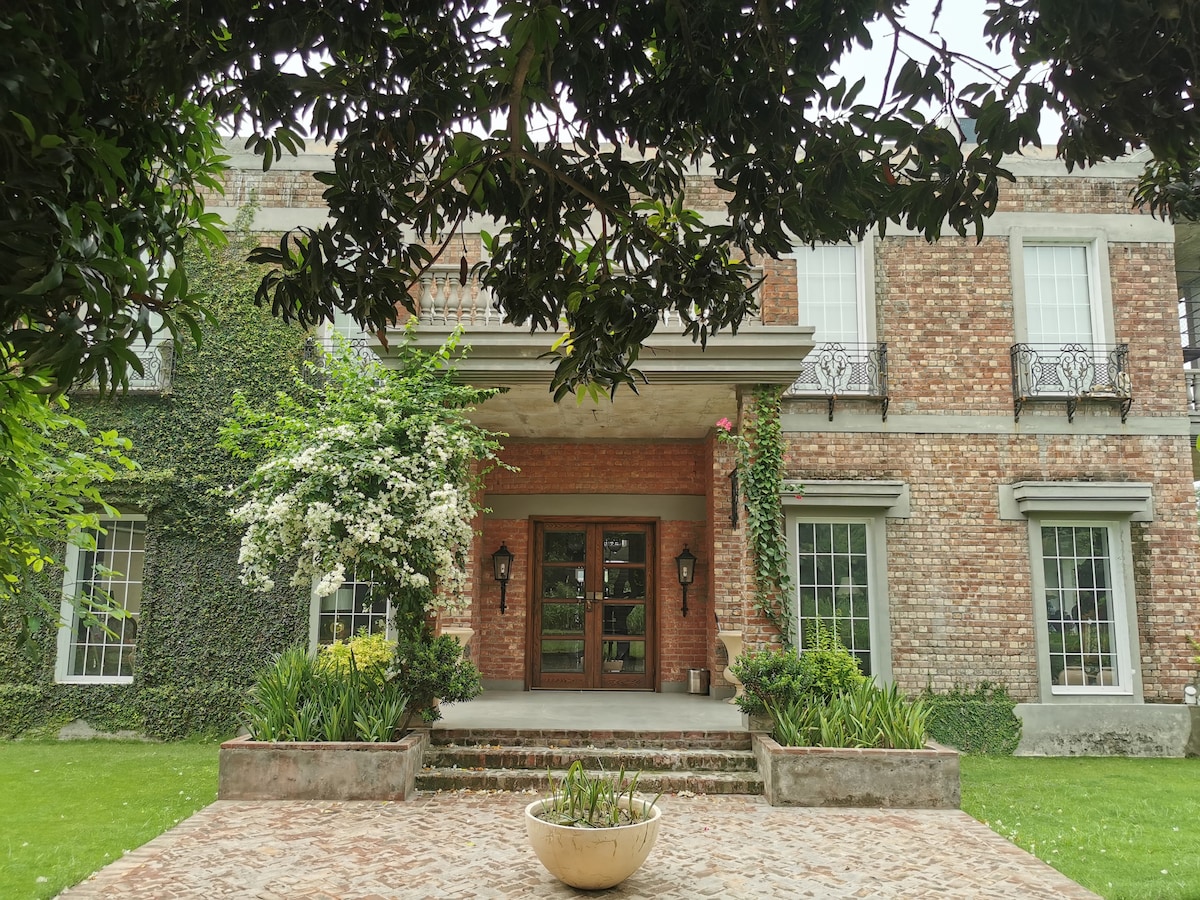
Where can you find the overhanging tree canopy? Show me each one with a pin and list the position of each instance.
(575, 123)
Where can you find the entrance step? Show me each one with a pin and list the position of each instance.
(521, 760)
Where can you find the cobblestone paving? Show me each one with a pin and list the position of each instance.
(472, 845)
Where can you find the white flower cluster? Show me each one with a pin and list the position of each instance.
(371, 491)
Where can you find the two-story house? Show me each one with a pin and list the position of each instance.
(993, 440)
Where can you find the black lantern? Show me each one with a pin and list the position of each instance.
(686, 562)
(502, 568)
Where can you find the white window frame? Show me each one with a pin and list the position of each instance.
(73, 579)
(1095, 244)
(1113, 504)
(855, 502)
(314, 615)
(864, 266)
(1123, 610)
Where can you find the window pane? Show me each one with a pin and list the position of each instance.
(353, 608)
(832, 585)
(111, 575)
(562, 618)
(625, 546)
(1080, 619)
(1057, 295)
(827, 292)
(562, 656)
(564, 546)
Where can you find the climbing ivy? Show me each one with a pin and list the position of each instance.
(760, 472)
(201, 634)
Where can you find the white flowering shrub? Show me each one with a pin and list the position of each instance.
(374, 470)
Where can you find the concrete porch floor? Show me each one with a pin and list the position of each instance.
(593, 710)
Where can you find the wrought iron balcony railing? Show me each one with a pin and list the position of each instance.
(158, 367)
(844, 370)
(1071, 372)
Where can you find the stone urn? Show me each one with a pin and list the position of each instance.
(733, 649)
(593, 858)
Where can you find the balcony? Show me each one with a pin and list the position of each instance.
(844, 370)
(1070, 373)
(504, 354)
(690, 387)
(158, 367)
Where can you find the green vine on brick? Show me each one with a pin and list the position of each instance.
(760, 472)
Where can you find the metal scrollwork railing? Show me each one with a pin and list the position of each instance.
(158, 367)
(1071, 372)
(844, 370)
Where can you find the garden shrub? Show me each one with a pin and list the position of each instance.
(428, 668)
(980, 721)
(781, 677)
(371, 654)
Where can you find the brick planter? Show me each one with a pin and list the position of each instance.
(260, 770)
(829, 776)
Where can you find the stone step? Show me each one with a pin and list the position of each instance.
(608, 759)
(649, 783)
(557, 738)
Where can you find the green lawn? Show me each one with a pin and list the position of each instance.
(69, 808)
(1125, 828)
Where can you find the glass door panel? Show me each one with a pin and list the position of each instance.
(593, 611)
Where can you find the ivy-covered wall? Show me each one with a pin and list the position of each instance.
(201, 633)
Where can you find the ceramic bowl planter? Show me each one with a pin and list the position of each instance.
(593, 858)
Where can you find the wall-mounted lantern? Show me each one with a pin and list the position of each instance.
(686, 561)
(502, 561)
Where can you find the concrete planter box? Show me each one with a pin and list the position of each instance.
(829, 776)
(260, 770)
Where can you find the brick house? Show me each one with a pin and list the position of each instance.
(994, 443)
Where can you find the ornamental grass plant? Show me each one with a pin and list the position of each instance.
(297, 698)
(864, 715)
(581, 799)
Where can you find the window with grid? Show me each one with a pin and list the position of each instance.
(102, 647)
(354, 607)
(833, 584)
(828, 293)
(1059, 308)
(1081, 618)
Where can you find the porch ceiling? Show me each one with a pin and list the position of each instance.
(669, 411)
(690, 387)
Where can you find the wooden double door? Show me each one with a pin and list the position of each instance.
(593, 610)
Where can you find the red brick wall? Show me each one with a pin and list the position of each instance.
(626, 467)
(959, 577)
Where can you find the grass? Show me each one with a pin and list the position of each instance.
(1124, 828)
(70, 808)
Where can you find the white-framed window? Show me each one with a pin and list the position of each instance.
(102, 648)
(837, 559)
(1061, 288)
(831, 293)
(1084, 616)
(355, 606)
(1081, 561)
(1061, 301)
(834, 585)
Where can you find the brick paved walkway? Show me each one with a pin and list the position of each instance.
(472, 845)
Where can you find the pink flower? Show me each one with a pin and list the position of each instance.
(725, 425)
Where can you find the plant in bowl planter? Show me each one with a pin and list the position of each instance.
(593, 831)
